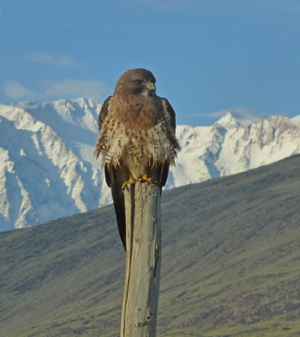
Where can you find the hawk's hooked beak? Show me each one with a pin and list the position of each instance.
(151, 86)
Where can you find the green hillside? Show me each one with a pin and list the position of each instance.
(230, 264)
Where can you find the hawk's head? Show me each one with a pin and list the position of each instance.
(136, 82)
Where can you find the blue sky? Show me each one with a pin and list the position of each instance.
(207, 55)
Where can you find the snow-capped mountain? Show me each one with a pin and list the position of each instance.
(47, 167)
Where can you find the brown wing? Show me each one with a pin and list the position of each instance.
(102, 115)
(171, 116)
(104, 111)
(170, 112)
(164, 174)
(116, 178)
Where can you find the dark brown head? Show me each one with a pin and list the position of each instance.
(136, 82)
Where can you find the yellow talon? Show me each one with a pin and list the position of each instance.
(130, 181)
(142, 179)
(145, 178)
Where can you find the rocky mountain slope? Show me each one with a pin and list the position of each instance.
(47, 168)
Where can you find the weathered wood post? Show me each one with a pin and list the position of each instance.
(143, 255)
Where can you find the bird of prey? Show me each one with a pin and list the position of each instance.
(136, 137)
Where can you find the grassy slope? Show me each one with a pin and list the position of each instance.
(231, 266)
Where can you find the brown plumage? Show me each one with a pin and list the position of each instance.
(136, 137)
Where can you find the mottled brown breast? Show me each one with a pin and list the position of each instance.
(137, 112)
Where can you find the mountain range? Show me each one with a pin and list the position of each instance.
(230, 264)
(48, 171)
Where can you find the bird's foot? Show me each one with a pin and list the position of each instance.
(130, 181)
(145, 178)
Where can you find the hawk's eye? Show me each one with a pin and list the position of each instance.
(139, 82)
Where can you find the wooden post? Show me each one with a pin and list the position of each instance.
(143, 255)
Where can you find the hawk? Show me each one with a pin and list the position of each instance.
(136, 137)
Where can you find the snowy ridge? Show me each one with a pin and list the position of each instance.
(47, 167)
(217, 151)
(47, 174)
(237, 118)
